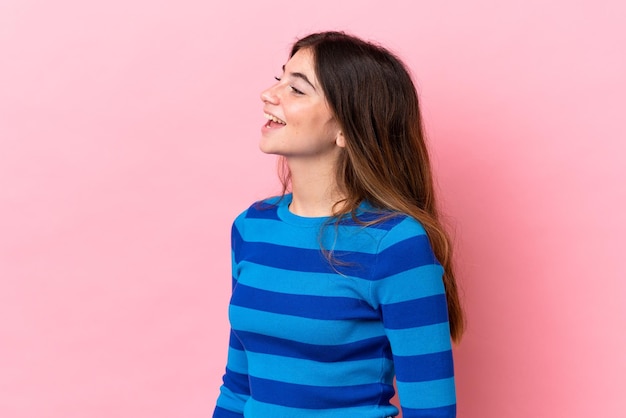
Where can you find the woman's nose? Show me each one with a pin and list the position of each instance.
(269, 96)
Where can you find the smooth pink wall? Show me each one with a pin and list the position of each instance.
(128, 143)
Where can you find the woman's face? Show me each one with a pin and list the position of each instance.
(300, 123)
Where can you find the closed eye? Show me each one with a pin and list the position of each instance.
(295, 90)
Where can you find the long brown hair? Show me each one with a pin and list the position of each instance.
(386, 161)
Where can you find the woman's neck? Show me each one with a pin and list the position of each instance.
(314, 190)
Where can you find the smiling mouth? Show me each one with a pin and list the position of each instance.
(273, 121)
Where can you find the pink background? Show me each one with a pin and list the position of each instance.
(128, 143)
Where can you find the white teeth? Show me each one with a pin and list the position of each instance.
(274, 119)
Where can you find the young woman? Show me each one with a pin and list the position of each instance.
(345, 281)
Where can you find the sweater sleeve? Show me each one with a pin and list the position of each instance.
(409, 293)
(235, 389)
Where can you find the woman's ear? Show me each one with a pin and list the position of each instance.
(340, 140)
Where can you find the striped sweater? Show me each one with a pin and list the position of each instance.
(311, 339)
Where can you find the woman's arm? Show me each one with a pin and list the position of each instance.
(409, 291)
(235, 389)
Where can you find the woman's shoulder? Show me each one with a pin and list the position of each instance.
(262, 209)
(384, 228)
(396, 230)
(391, 221)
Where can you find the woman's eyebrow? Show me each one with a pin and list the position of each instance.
(301, 76)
